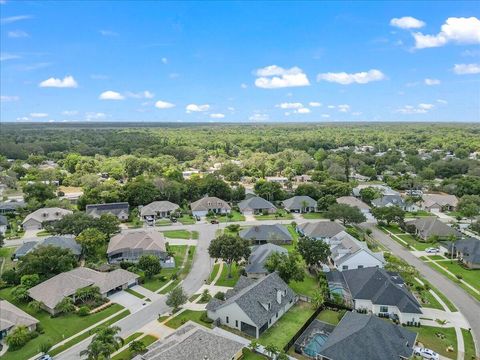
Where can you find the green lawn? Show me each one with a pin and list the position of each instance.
(158, 281)
(395, 229)
(427, 335)
(134, 293)
(126, 355)
(224, 280)
(308, 286)
(56, 329)
(183, 317)
(181, 273)
(187, 220)
(314, 216)
(418, 213)
(214, 272)
(284, 216)
(5, 258)
(43, 233)
(177, 234)
(283, 330)
(236, 216)
(294, 234)
(435, 257)
(469, 345)
(470, 276)
(330, 316)
(409, 239)
(248, 354)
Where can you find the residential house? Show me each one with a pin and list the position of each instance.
(263, 233)
(321, 230)
(362, 337)
(253, 306)
(255, 267)
(282, 180)
(157, 210)
(383, 189)
(359, 204)
(11, 317)
(430, 226)
(3, 224)
(52, 291)
(389, 200)
(61, 241)
(11, 207)
(209, 204)
(255, 205)
(350, 253)
(300, 179)
(439, 202)
(376, 291)
(466, 250)
(300, 204)
(193, 341)
(131, 246)
(120, 210)
(35, 220)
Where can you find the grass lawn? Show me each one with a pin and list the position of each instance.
(5, 258)
(418, 213)
(395, 229)
(181, 273)
(280, 215)
(313, 216)
(294, 234)
(427, 335)
(56, 329)
(183, 317)
(330, 316)
(161, 279)
(214, 272)
(186, 220)
(43, 233)
(308, 286)
(426, 299)
(248, 354)
(235, 216)
(134, 293)
(469, 345)
(126, 355)
(163, 222)
(224, 280)
(435, 257)
(283, 330)
(177, 234)
(470, 276)
(409, 239)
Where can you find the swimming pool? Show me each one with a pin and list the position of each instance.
(314, 344)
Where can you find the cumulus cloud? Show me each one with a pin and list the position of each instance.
(17, 34)
(287, 105)
(111, 95)
(196, 108)
(419, 109)
(432, 82)
(407, 22)
(141, 95)
(259, 116)
(314, 104)
(343, 108)
(89, 116)
(38, 115)
(217, 116)
(8, 56)
(303, 111)
(66, 82)
(164, 105)
(441, 101)
(344, 78)
(12, 19)
(464, 69)
(275, 77)
(9, 98)
(456, 30)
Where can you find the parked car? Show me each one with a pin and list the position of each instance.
(44, 357)
(197, 217)
(214, 221)
(173, 220)
(426, 353)
(432, 250)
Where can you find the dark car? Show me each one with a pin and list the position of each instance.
(197, 217)
(214, 221)
(173, 220)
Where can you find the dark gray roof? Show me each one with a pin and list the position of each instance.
(378, 286)
(249, 295)
(259, 255)
(111, 208)
(263, 232)
(3, 220)
(367, 337)
(386, 200)
(64, 242)
(431, 225)
(469, 248)
(297, 202)
(25, 249)
(321, 229)
(255, 203)
(11, 205)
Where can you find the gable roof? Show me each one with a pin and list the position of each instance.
(255, 203)
(208, 203)
(353, 201)
(259, 255)
(158, 206)
(96, 210)
(252, 297)
(344, 247)
(11, 316)
(193, 341)
(430, 225)
(139, 240)
(321, 229)
(53, 290)
(297, 202)
(440, 199)
(378, 286)
(469, 248)
(264, 232)
(47, 214)
(368, 337)
(61, 241)
(388, 200)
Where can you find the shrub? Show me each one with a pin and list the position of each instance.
(11, 277)
(83, 311)
(204, 317)
(219, 295)
(126, 264)
(18, 337)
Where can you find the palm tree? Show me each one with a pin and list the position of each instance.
(304, 206)
(253, 345)
(104, 343)
(452, 238)
(272, 350)
(318, 299)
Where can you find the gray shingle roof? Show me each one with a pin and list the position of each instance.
(299, 202)
(3, 220)
(263, 232)
(469, 248)
(96, 210)
(64, 242)
(138, 240)
(321, 229)
(11, 316)
(353, 201)
(367, 337)
(47, 214)
(157, 207)
(388, 200)
(431, 225)
(209, 203)
(259, 255)
(255, 203)
(249, 295)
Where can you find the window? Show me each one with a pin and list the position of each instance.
(236, 323)
(360, 266)
(345, 267)
(384, 309)
(226, 319)
(276, 314)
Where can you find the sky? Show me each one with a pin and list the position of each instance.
(239, 61)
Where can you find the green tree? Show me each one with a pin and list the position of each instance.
(150, 264)
(18, 337)
(289, 266)
(35, 305)
(313, 251)
(105, 342)
(469, 206)
(38, 192)
(272, 350)
(45, 348)
(20, 293)
(176, 298)
(318, 299)
(370, 193)
(346, 213)
(88, 293)
(93, 243)
(269, 190)
(137, 347)
(140, 192)
(389, 214)
(30, 281)
(230, 249)
(47, 261)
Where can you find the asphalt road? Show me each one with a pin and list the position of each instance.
(467, 305)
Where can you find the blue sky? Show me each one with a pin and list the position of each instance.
(240, 61)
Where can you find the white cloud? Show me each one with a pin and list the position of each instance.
(331, 106)
(7, 98)
(17, 34)
(23, 118)
(70, 112)
(111, 95)
(243, 86)
(217, 116)
(164, 60)
(38, 115)
(356, 113)
(344, 78)
(325, 116)
(314, 104)
(457, 30)
(464, 69)
(12, 19)
(303, 111)
(343, 108)
(141, 95)
(441, 101)
(89, 116)
(259, 117)
(287, 105)
(432, 82)
(67, 82)
(8, 56)
(197, 108)
(275, 77)
(164, 105)
(407, 22)
(108, 33)
(419, 109)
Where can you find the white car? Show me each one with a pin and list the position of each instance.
(426, 353)
(432, 250)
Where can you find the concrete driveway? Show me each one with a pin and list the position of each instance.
(128, 301)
